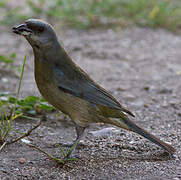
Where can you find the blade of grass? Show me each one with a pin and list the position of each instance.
(69, 152)
(61, 161)
(3, 146)
(9, 122)
(19, 85)
(27, 133)
(61, 150)
(4, 111)
(3, 126)
(28, 117)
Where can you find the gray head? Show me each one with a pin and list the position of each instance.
(38, 33)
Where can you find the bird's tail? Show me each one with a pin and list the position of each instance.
(128, 124)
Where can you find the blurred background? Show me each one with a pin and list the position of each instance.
(94, 13)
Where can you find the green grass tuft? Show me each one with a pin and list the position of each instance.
(6, 122)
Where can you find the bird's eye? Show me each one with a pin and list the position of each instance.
(40, 29)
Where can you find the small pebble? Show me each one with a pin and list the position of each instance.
(165, 91)
(146, 88)
(26, 141)
(137, 104)
(103, 132)
(22, 160)
(5, 80)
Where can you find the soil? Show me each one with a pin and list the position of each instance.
(140, 67)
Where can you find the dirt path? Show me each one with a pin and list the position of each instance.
(141, 68)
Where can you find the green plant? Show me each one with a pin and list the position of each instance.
(6, 123)
(88, 13)
(24, 108)
(164, 14)
(7, 62)
(65, 154)
(91, 13)
(31, 105)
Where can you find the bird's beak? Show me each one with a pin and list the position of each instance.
(22, 29)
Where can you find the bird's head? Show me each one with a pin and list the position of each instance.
(38, 33)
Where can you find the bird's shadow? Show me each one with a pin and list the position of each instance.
(88, 161)
(149, 155)
(133, 155)
(156, 157)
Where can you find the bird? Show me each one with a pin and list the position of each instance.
(69, 88)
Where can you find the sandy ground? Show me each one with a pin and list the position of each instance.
(141, 68)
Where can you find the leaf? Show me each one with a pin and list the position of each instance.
(31, 99)
(16, 116)
(26, 108)
(154, 12)
(45, 106)
(13, 55)
(43, 100)
(12, 100)
(178, 72)
(6, 59)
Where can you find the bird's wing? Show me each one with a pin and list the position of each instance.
(88, 90)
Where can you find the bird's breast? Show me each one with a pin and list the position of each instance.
(79, 110)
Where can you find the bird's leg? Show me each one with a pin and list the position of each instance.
(80, 132)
